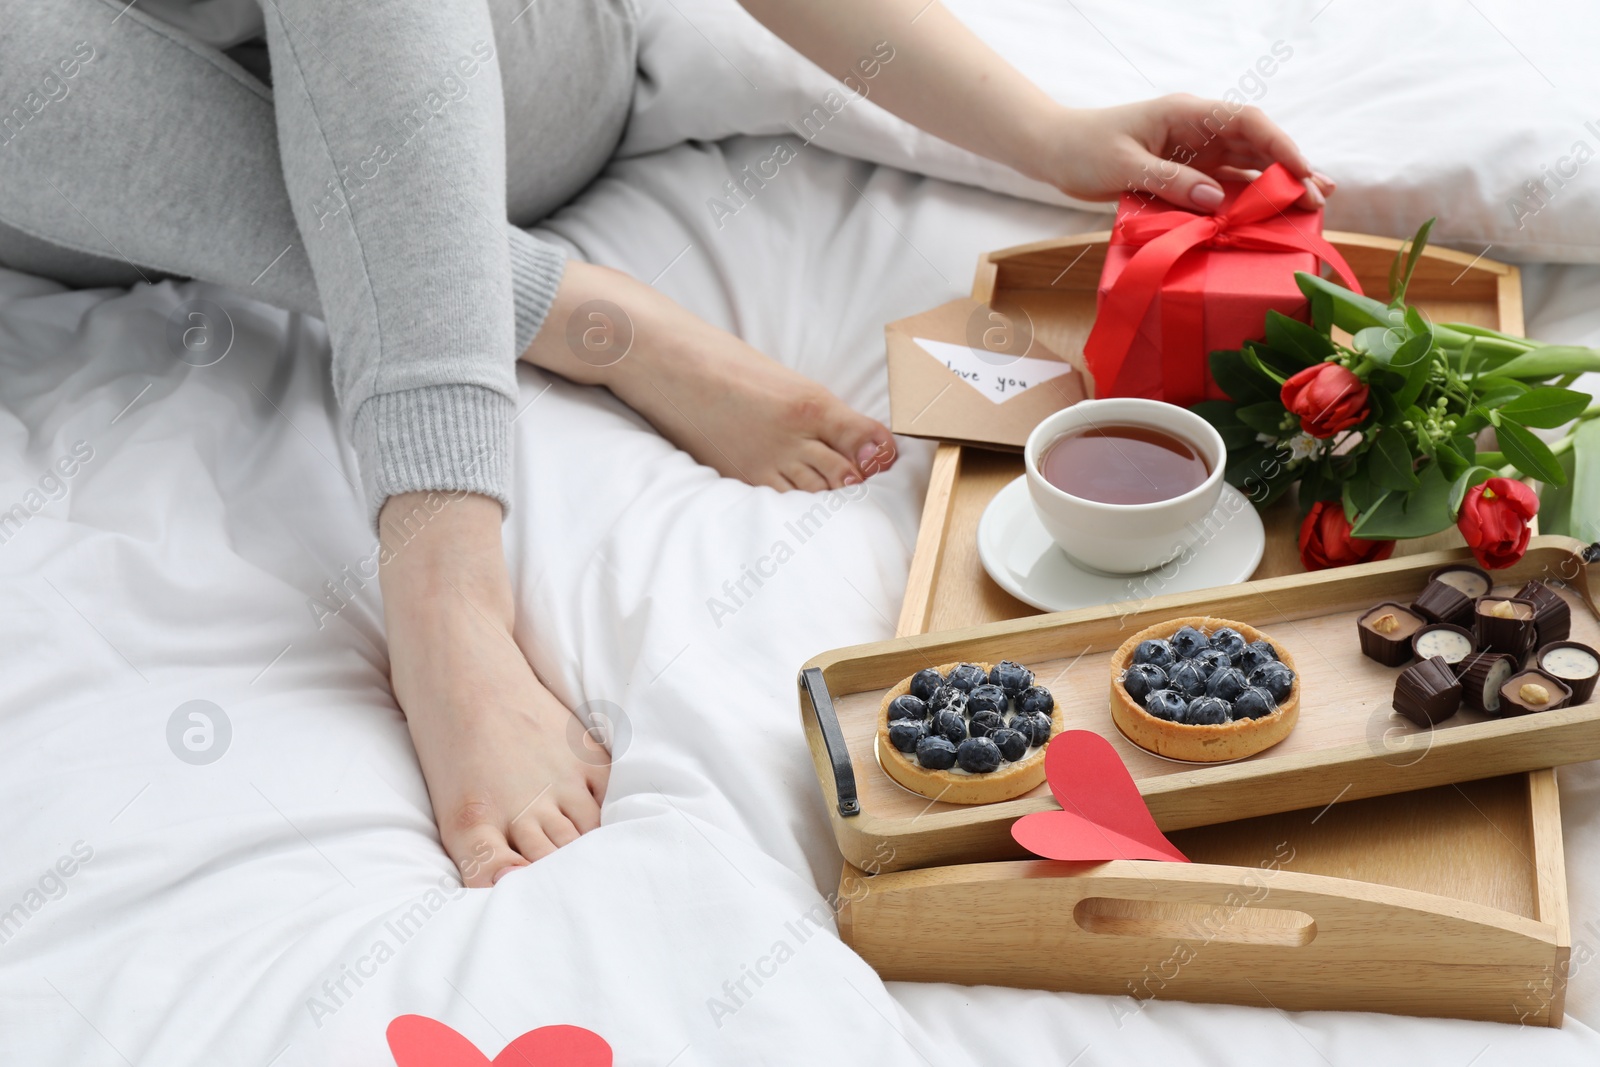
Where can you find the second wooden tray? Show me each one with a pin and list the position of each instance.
(1348, 744)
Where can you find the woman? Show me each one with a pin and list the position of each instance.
(382, 182)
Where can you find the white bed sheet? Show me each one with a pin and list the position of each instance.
(232, 913)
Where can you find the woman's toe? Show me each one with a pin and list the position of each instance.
(803, 477)
(835, 469)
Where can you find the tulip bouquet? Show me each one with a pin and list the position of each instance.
(1380, 425)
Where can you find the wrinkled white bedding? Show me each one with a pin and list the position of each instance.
(281, 904)
(1433, 107)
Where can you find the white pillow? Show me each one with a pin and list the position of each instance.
(1421, 108)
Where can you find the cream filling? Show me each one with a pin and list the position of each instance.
(1466, 582)
(1570, 663)
(1491, 685)
(1452, 646)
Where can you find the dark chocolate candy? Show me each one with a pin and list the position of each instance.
(1482, 674)
(1582, 685)
(1551, 614)
(1389, 647)
(1428, 692)
(1440, 602)
(1453, 643)
(1513, 636)
(1516, 693)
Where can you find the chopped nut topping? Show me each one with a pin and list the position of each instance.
(1502, 609)
(1386, 623)
(1533, 693)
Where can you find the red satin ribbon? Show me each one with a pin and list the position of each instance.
(1166, 238)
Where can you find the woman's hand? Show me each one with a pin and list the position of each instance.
(1173, 147)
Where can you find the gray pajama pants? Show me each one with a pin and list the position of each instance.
(380, 182)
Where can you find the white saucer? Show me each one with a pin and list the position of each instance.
(1020, 556)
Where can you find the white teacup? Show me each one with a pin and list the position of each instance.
(1125, 538)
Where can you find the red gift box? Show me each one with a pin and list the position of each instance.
(1177, 285)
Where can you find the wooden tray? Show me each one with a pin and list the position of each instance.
(1447, 901)
(1452, 903)
(1054, 282)
(1348, 744)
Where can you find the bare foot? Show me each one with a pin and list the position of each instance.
(510, 777)
(709, 393)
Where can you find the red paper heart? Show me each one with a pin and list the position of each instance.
(418, 1041)
(1102, 815)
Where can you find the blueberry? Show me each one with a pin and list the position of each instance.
(1036, 698)
(946, 698)
(1154, 651)
(1257, 654)
(924, 682)
(1207, 711)
(979, 755)
(1210, 660)
(986, 698)
(1276, 678)
(1188, 642)
(964, 676)
(950, 725)
(1229, 641)
(1226, 683)
(906, 733)
(1253, 703)
(1012, 677)
(985, 723)
(936, 753)
(1166, 704)
(907, 707)
(1032, 725)
(1188, 678)
(1012, 743)
(1141, 678)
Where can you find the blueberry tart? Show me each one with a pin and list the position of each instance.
(976, 745)
(1247, 701)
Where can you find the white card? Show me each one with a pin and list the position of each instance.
(998, 378)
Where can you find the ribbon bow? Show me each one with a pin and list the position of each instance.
(1164, 238)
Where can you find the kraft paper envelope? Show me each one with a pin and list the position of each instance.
(957, 376)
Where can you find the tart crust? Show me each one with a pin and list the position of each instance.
(1008, 781)
(1200, 744)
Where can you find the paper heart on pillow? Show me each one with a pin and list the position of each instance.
(1102, 815)
(418, 1041)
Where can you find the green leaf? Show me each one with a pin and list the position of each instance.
(1317, 483)
(1321, 311)
(1267, 417)
(1389, 462)
(1527, 453)
(1260, 473)
(1350, 311)
(1423, 511)
(1224, 416)
(1400, 277)
(1451, 460)
(1412, 351)
(1295, 339)
(1239, 378)
(1546, 408)
(1577, 513)
(1499, 391)
(1466, 480)
(1379, 342)
(1257, 356)
(1548, 361)
(1360, 495)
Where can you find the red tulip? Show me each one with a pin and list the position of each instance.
(1494, 520)
(1325, 540)
(1328, 398)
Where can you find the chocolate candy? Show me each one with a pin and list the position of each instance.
(1428, 692)
(1551, 614)
(1386, 632)
(1443, 639)
(1482, 674)
(1505, 625)
(1575, 664)
(1531, 691)
(1450, 593)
